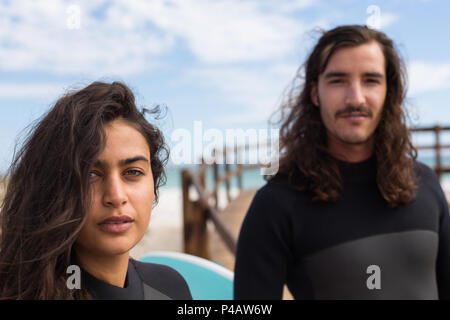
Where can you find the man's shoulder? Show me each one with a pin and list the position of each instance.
(164, 279)
(280, 190)
(282, 183)
(426, 174)
(428, 180)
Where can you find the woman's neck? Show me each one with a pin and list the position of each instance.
(110, 269)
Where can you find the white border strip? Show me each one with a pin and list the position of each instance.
(193, 259)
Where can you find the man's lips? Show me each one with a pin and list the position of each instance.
(354, 115)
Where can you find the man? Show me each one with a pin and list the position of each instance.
(351, 214)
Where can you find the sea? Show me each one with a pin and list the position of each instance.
(254, 179)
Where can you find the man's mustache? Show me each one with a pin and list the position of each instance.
(350, 109)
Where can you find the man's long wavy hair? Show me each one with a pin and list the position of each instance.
(45, 203)
(305, 158)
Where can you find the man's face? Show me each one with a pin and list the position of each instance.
(350, 94)
(122, 191)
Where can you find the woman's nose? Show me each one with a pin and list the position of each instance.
(114, 192)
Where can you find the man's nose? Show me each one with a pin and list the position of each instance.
(355, 95)
(114, 192)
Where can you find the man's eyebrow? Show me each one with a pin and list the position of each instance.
(373, 75)
(334, 74)
(123, 162)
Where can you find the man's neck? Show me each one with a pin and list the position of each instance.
(352, 153)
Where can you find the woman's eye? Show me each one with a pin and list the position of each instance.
(93, 174)
(134, 173)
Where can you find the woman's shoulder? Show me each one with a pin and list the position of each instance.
(164, 279)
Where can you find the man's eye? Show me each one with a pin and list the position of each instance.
(335, 81)
(372, 81)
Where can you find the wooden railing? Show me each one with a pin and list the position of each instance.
(204, 206)
(439, 167)
(201, 204)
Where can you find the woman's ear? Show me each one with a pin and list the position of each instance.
(314, 95)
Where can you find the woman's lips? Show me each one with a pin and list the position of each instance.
(116, 224)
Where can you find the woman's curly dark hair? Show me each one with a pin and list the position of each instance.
(45, 203)
(305, 158)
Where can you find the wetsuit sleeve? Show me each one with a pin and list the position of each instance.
(443, 260)
(263, 250)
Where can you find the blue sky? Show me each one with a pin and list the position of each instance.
(225, 63)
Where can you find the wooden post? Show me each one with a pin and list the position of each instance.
(239, 177)
(194, 222)
(238, 154)
(216, 177)
(437, 131)
(227, 182)
(203, 175)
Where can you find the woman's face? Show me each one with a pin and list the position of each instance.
(122, 193)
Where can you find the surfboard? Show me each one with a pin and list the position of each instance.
(207, 280)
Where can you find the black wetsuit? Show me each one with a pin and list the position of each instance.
(328, 250)
(144, 281)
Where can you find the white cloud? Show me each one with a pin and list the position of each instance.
(428, 76)
(387, 19)
(295, 5)
(36, 36)
(225, 31)
(128, 37)
(259, 90)
(31, 90)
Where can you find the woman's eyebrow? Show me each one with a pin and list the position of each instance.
(131, 160)
(124, 162)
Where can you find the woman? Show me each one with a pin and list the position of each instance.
(80, 192)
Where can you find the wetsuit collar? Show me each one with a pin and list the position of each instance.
(358, 171)
(102, 290)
